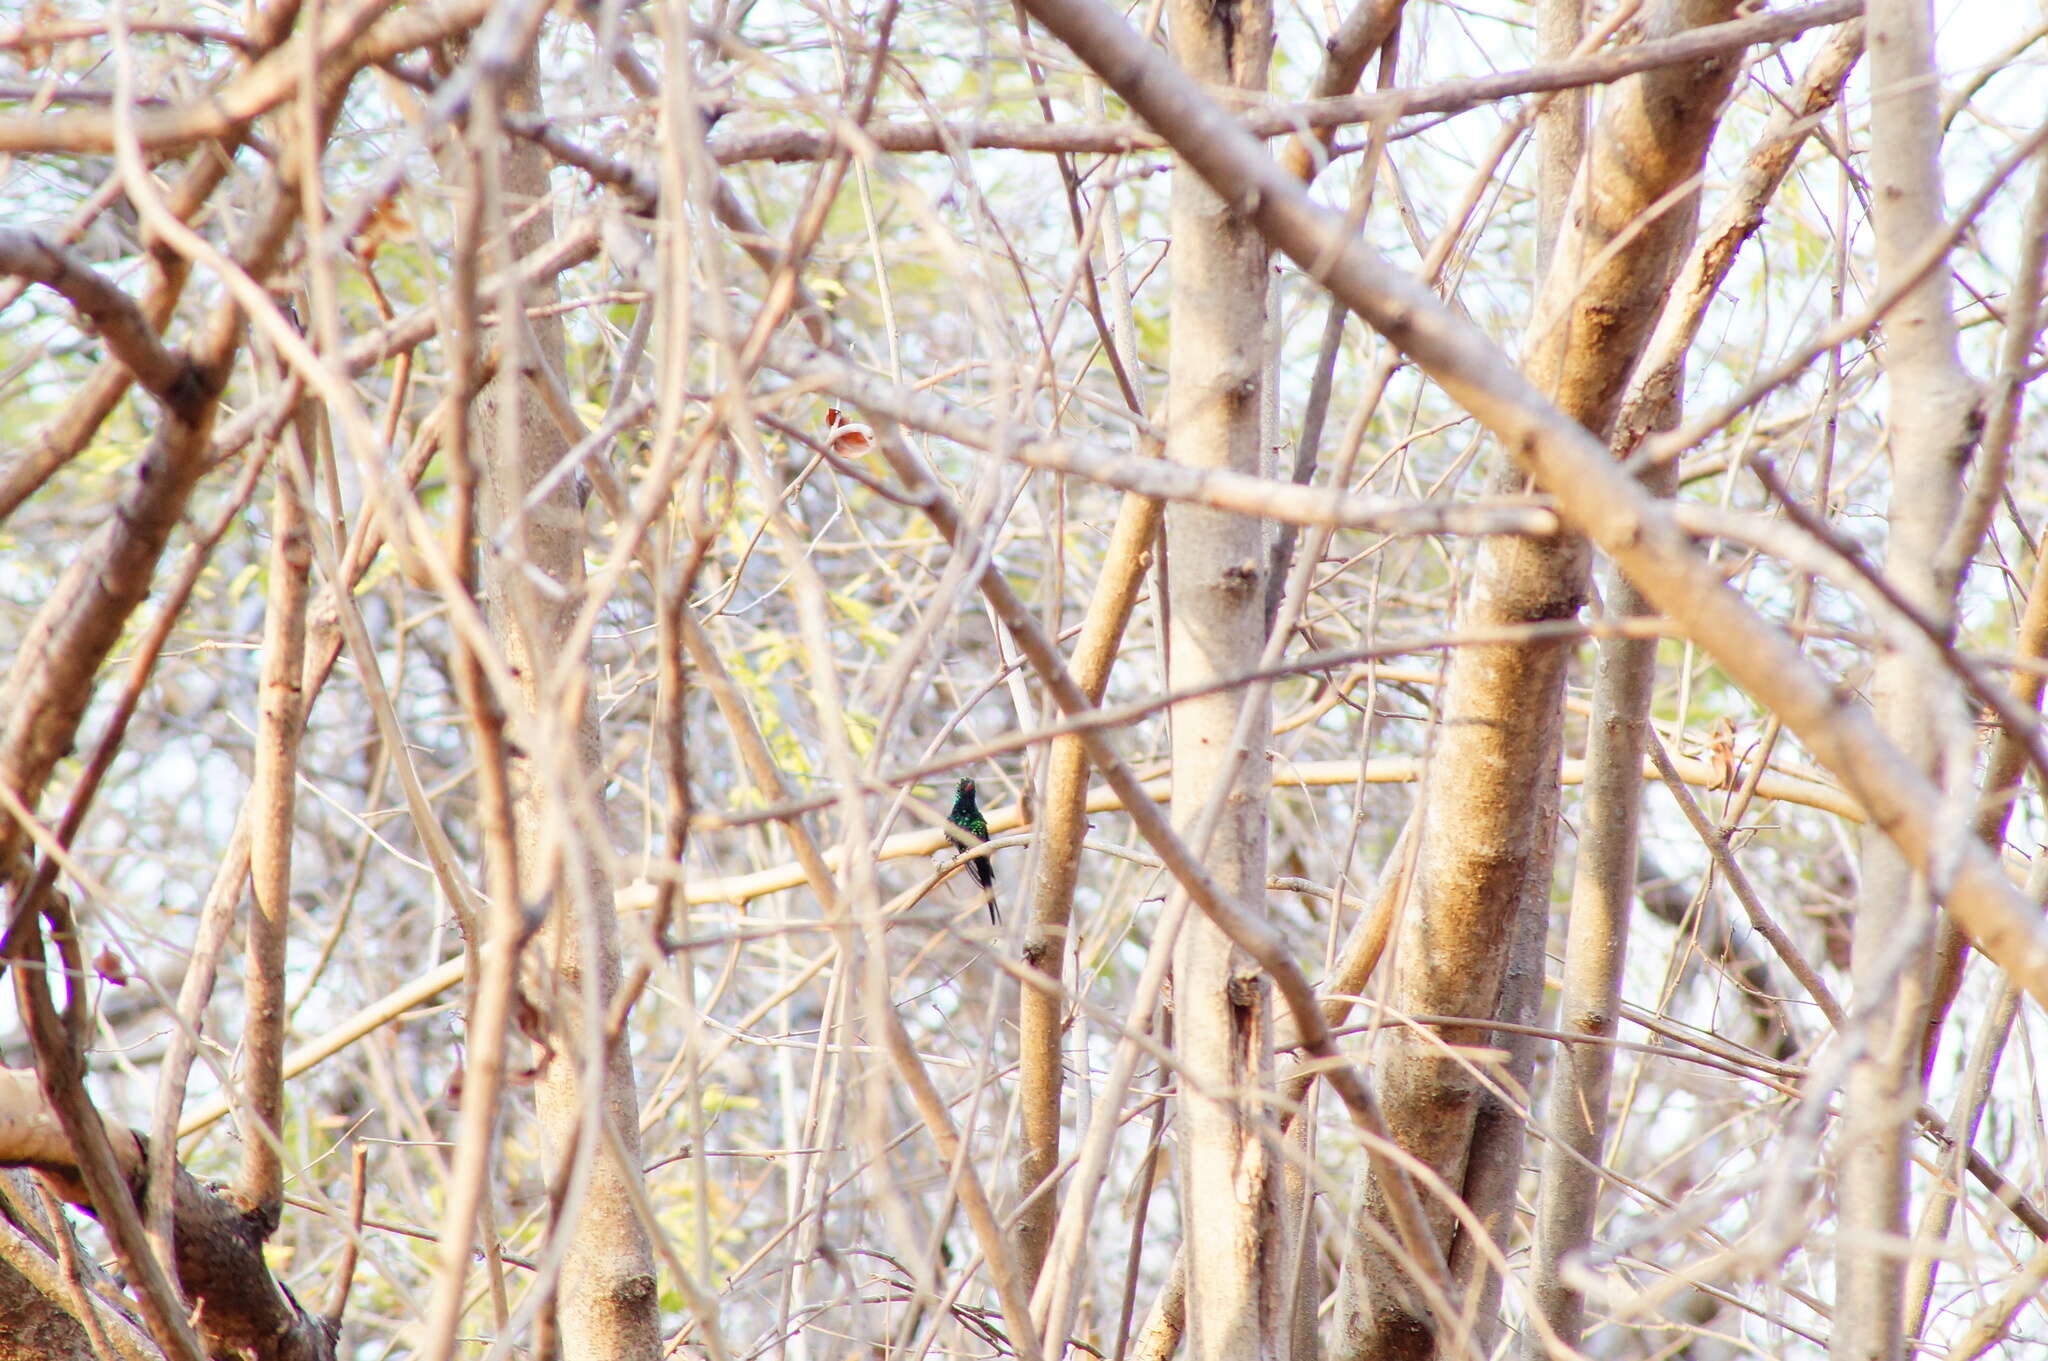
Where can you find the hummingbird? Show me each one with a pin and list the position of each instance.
(972, 831)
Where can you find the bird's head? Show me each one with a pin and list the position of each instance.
(964, 789)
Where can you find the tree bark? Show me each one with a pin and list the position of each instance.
(1605, 882)
(1062, 824)
(1238, 1274)
(241, 1308)
(1932, 419)
(1603, 890)
(273, 794)
(1485, 860)
(607, 1297)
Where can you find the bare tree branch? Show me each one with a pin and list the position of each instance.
(220, 1253)
(1592, 491)
(1288, 119)
(117, 318)
(358, 35)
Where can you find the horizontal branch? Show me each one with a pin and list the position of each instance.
(354, 36)
(35, 34)
(1594, 494)
(1280, 120)
(1221, 489)
(742, 888)
(1292, 503)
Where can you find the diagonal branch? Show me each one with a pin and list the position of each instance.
(67, 433)
(1364, 31)
(1252, 936)
(1592, 492)
(116, 316)
(243, 1309)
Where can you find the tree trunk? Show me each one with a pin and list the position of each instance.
(606, 1297)
(1485, 859)
(1931, 417)
(1231, 1186)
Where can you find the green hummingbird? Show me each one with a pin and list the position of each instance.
(973, 830)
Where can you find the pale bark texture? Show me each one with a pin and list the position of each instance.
(1238, 1275)
(1498, 1131)
(1560, 125)
(47, 691)
(1045, 1014)
(2007, 760)
(606, 1301)
(1605, 878)
(863, 331)
(1345, 54)
(1596, 947)
(50, 683)
(1485, 856)
(1605, 883)
(1933, 422)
